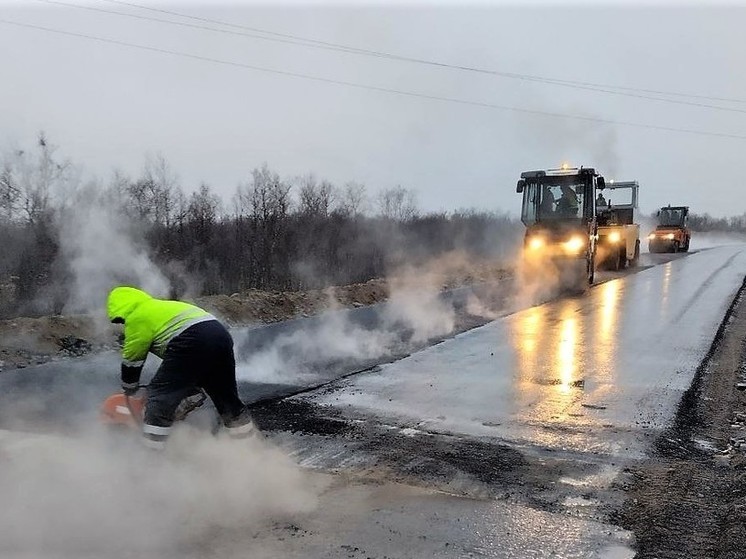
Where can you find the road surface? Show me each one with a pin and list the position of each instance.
(275, 360)
(508, 440)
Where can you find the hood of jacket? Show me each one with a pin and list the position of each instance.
(123, 301)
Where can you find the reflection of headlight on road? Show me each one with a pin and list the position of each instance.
(670, 236)
(535, 243)
(614, 237)
(575, 244)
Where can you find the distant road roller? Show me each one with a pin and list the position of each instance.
(618, 234)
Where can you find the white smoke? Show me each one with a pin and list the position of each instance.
(535, 282)
(99, 246)
(416, 304)
(477, 306)
(97, 497)
(334, 338)
(415, 310)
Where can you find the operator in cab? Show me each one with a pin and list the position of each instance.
(546, 206)
(568, 204)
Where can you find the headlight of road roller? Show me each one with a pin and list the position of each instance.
(651, 236)
(574, 244)
(535, 243)
(614, 237)
(670, 236)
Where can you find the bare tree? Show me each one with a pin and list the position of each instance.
(263, 206)
(268, 196)
(138, 199)
(202, 212)
(31, 180)
(316, 198)
(162, 185)
(154, 196)
(353, 200)
(180, 208)
(10, 194)
(397, 204)
(117, 189)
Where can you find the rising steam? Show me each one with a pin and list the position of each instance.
(100, 248)
(415, 312)
(97, 497)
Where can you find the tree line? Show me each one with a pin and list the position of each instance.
(272, 234)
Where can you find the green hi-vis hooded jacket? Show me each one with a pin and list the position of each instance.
(149, 324)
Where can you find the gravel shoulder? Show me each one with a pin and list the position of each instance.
(689, 499)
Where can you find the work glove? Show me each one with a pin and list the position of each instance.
(130, 389)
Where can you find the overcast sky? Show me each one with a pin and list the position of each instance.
(108, 105)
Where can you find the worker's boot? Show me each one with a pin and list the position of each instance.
(241, 426)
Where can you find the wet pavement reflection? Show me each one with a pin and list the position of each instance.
(586, 373)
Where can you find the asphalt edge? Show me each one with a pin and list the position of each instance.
(688, 416)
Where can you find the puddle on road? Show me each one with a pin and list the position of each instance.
(603, 478)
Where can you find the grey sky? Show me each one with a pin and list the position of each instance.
(107, 106)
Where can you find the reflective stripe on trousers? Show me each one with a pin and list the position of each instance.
(155, 436)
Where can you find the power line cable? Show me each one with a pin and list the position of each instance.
(254, 34)
(603, 88)
(373, 87)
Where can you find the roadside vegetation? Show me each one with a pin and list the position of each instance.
(67, 237)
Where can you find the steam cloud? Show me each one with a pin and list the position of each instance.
(98, 246)
(414, 306)
(287, 359)
(96, 497)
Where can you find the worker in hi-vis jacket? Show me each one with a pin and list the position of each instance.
(197, 352)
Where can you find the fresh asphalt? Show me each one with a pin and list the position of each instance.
(64, 393)
(543, 405)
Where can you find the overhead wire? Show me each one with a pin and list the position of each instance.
(370, 87)
(304, 41)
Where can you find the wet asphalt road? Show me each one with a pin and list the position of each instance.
(593, 373)
(576, 389)
(273, 360)
(579, 380)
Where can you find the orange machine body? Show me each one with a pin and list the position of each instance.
(126, 411)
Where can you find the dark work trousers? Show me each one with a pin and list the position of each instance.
(201, 356)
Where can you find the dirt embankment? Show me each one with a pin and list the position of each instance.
(271, 306)
(689, 499)
(29, 341)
